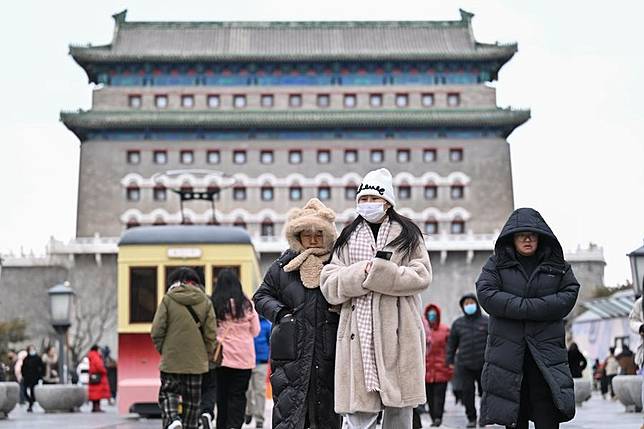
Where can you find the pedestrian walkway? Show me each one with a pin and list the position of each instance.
(594, 414)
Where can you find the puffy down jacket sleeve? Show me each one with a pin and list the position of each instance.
(266, 297)
(544, 308)
(160, 326)
(452, 345)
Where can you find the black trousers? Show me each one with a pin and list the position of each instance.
(536, 399)
(436, 399)
(231, 396)
(29, 392)
(469, 377)
(209, 392)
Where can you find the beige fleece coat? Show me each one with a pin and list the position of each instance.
(399, 337)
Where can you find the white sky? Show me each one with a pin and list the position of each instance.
(579, 160)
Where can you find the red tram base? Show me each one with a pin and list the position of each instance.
(138, 375)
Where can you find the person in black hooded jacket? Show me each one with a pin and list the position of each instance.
(527, 288)
(466, 345)
(303, 338)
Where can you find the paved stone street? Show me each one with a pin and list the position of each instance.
(595, 414)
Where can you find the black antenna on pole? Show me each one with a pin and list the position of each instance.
(189, 195)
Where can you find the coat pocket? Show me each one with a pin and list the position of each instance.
(284, 340)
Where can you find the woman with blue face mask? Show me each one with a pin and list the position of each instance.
(466, 345)
(379, 267)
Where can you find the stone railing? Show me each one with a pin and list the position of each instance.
(628, 389)
(9, 396)
(437, 243)
(61, 397)
(583, 390)
(84, 245)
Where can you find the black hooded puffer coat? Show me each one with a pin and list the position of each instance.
(526, 316)
(302, 349)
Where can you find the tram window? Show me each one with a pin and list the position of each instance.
(169, 270)
(217, 270)
(143, 294)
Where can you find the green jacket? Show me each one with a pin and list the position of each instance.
(176, 335)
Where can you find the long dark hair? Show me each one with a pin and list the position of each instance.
(410, 236)
(228, 298)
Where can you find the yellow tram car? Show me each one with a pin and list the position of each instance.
(147, 255)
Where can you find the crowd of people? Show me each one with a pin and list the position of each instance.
(29, 369)
(338, 323)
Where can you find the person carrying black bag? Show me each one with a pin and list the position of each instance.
(184, 333)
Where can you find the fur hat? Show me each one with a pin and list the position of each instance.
(313, 216)
(379, 183)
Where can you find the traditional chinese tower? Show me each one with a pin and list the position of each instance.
(270, 114)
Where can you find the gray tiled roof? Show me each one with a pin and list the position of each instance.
(292, 41)
(506, 119)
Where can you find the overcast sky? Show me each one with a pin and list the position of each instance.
(579, 160)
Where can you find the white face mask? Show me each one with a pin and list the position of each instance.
(371, 212)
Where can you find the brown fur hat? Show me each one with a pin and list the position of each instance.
(313, 216)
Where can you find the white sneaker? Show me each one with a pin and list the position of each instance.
(206, 422)
(176, 424)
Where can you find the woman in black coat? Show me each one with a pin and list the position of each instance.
(527, 288)
(302, 343)
(576, 360)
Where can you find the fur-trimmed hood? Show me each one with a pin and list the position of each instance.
(313, 216)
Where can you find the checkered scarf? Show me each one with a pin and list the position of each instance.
(362, 247)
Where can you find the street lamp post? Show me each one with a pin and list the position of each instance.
(636, 258)
(60, 309)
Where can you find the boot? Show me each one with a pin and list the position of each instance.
(96, 407)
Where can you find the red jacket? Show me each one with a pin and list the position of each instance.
(96, 366)
(436, 370)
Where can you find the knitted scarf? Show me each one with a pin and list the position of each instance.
(362, 247)
(310, 263)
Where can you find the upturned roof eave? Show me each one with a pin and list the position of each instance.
(88, 55)
(507, 120)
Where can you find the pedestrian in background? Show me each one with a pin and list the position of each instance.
(612, 368)
(527, 288)
(82, 370)
(304, 324)
(636, 321)
(466, 346)
(576, 361)
(626, 360)
(12, 358)
(32, 371)
(20, 358)
(256, 393)
(598, 370)
(380, 265)
(437, 372)
(50, 361)
(209, 386)
(237, 325)
(111, 367)
(184, 333)
(99, 387)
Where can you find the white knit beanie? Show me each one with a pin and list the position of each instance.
(379, 183)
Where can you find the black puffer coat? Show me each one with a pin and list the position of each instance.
(302, 349)
(526, 316)
(467, 339)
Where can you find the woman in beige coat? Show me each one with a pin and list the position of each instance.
(379, 267)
